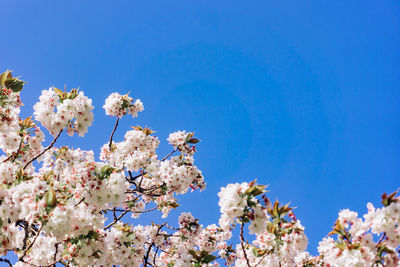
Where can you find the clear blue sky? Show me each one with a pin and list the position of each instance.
(303, 95)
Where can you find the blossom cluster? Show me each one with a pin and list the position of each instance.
(120, 105)
(10, 104)
(61, 205)
(355, 244)
(57, 110)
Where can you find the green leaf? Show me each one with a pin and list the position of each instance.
(137, 128)
(341, 246)
(275, 209)
(208, 258)
(255, 251)
(106, 170)
(173, 205)
(50, 198)
(4, 76)
(385, 249)
(14, 84)
(193, 253)
(255, 190)
(193, 141)
(189, 136)
(58, 91)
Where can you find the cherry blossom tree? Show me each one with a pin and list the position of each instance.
(59, 205)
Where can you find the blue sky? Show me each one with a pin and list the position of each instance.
(303, 95)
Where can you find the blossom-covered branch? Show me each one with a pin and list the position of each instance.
(71, 209)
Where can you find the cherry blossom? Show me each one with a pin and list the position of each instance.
(60, 205)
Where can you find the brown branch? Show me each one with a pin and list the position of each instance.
(80, 201)
(116, 220)
(112, 134)
(55, 253)
(381, 239)
(146, 258)
(155, 254)
(144, 211)
(7, 261)
(262, 258)
(172, 228)
(31, 244)
(133, 178)
(19, 149)
(151, 194)
(167, 156)
(114, 214)
(44, 151)
(25, 226)
(115, 209)
(144, 193)
(15, 154)
(242, 243)
(125, 210)
(132, 200)
(141, 180)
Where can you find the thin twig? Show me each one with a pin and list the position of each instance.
(114, 214)
(141, 180)
(167, 156)
(31, 244)
(242, 243)
(112, 134)
(7, 261)
(80, 201)
(44, 151)
(25, 226)
(124, 210)
(137, 176)
(144, 211)
(115, 209)
(146, 258)
(155, 254)
(116, 220)
(19, 149)
(133, 178)
(14, 155)
(381, 239)
(55, 253)
(172, 228)
(262, 258)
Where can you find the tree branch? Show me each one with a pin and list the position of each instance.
(116, 220)
(146, 258)
(242, 243)
(167, 156)
(14, 155)
(381, 239)
(44, 151)
(25, 226)
(31, 244)
(80, 201)
(112, 133)
(6, 261)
